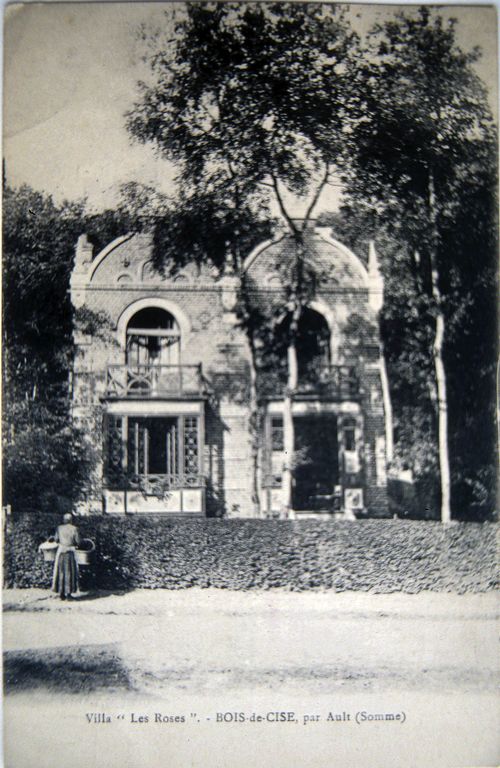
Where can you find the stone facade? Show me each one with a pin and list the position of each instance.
(162, 383)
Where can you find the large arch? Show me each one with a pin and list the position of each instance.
(106, 251)
(322, 233)
(152, 302)
(350, 256)
(259, 249)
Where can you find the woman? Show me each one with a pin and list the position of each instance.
(65, 578)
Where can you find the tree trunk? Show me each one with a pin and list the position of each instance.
(444, 461)
(298, 301)
(254, 429)
(254, 405)
(386, 398)
(288, 426)
(440, 373)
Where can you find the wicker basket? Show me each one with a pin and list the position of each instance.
(84, 556)
(49, 549)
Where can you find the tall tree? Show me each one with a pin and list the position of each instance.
(38, 240)
(46, 457)
(424, 132)
(250, 100)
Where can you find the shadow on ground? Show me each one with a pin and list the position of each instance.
(70, 669)
(52, 602)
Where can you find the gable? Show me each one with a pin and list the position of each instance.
(128, 261)
(334, 264)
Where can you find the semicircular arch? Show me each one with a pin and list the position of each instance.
(153, 302)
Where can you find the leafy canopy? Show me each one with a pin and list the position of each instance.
(248, 94)
(424, 110)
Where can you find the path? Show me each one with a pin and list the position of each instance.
(432, 657)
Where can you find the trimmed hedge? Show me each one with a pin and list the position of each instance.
(378, 555)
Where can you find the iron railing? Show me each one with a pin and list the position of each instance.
(156, 485)
(154, 381)
(331, 381)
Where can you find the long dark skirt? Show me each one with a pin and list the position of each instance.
(65, 579)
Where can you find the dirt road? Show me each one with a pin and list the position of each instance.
(337, 679)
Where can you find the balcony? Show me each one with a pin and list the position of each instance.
(165, 494)
(158, 485)
(151, 381)
(328, 382)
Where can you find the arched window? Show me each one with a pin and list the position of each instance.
(312, 344)
(153, 338)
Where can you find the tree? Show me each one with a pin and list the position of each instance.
(250, 100)
(470, 245)
(38, 240)
(423, 136)
(406, 335)
(47, 459)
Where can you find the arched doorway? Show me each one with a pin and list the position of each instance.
(316, 456)
(312, 345)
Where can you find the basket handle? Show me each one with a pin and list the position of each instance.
(91, 549)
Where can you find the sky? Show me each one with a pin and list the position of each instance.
(71, 72)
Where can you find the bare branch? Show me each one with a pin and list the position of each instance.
(315, 199)
(281, 204)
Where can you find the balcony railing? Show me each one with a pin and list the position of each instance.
(340, 382)
(154, 381)
(156, 485)
(160, 484)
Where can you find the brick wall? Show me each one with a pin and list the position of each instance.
(213, 338)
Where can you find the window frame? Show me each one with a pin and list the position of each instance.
(119, 475)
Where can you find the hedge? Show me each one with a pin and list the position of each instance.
(378, 555)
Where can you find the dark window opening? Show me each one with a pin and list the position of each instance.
(146, 446)
(153, 338)
(312, 345)
(350, 435)
(277, 434)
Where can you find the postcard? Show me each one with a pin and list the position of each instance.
(249, 422)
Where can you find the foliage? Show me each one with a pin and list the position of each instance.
(135, 551)
(39, 238)
(38, 241)
(424, 157)
(249, 100)
(46, 458)
(96, 324)
(424, 108)
(245, 93)
(204, 230)
(406, 329)
(245, 98)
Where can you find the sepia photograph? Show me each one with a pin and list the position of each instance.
(250, 422)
